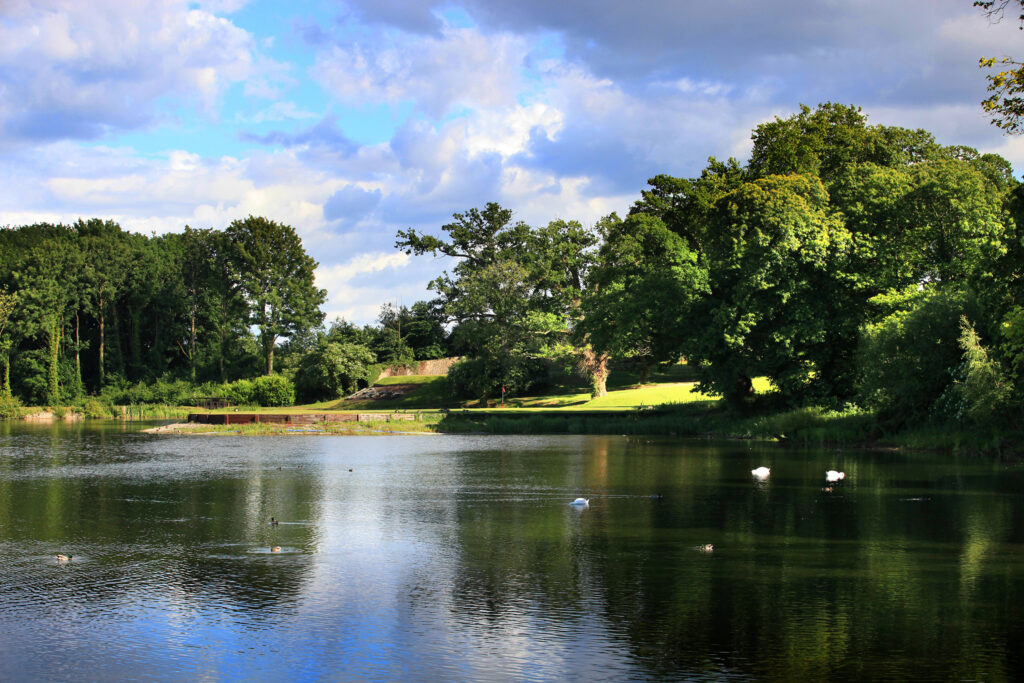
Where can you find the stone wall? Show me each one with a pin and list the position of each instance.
(436, 367)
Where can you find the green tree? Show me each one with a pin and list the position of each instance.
(908, 357)
(45, 280)
(511, 294)
(769, 254)
(640, 294)
(333, 369)
(8, 302)
(103, 274)
(276, 277)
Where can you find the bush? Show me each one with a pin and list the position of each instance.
(10, 408)
(273, 390)
(93, 408)
(906, 360)
(240, 392)
(484, 377)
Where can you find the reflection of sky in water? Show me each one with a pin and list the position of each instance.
(459, 558)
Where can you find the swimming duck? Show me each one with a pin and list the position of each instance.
(706, 548)
(276, 549)
(581, 502)
(832, 475)
(761, 472)
(274, 522)
(63, 558)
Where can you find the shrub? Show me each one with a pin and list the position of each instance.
(485, 376)
(907, 359)
(274, 390)
(10, 408)
(93, 408)
(240, 392)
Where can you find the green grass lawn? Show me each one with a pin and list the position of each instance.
(674, 385)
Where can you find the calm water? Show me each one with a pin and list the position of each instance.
(459, 558)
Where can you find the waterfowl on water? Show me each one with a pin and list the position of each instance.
(274, 522)
(581, 502)
(276, 549)
(706, 548)
(832, 475)
(63, 558)
(761, 472)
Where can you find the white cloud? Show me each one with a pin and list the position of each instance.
(361, 303)
(462, 67)
(81, 70)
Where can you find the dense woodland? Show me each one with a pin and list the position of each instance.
(91, 309)
(858, 267)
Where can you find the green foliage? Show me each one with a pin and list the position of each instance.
(406, 335)
(8, 301)
(94, 408)
(641, 293)
(10, 408)
(513, 293)
(771, 255)
(240, 392)
(484, 376)
(981, 384)
(273, 390)
(1011, 331)
(333, 369)
(908, 357)
(1005, 104)
(276, 277)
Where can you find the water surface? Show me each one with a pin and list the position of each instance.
(459, 558)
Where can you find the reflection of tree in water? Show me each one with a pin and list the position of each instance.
(256, 582)
(155, 537)
(860, 582)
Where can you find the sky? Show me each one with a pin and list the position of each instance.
(352, 120)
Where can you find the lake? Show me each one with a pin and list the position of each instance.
(459, 558)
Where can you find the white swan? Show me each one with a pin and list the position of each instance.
(761, 472)
(832, 475)
(581, 502)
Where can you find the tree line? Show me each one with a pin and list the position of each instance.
(89, 309)
(855, 266)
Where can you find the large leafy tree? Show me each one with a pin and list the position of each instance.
(512, 291)
(772, 245)
(641, 291)
(276, 277)
(828, 213)
(332, 369)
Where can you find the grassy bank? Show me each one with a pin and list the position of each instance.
(669, 404)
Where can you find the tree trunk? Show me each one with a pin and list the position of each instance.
(272, 339)
(192, 348)
(52, 377)
(135, 343)
(220, 354)
(5, 391)
(102, 368)
(78, 360)
(118, 346)
(595, 367)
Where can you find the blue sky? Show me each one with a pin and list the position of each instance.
(352, 120)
